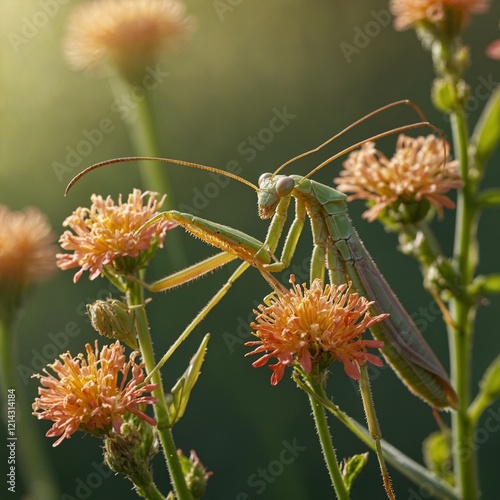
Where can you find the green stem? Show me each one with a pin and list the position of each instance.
(40, 480)
(154, 175)
(327, 446)
(150, 492)
(461, 334)
(135, 298)
(398, 460)
(140, 124)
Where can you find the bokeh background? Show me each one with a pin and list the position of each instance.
(245, 61)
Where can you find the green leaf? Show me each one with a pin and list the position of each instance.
(437, 454)
(482, 284)
(179, 396)
(351, 467)
(489, 198)
(487, 132)
(490, 383)
(490, 390)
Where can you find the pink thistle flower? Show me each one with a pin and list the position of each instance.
(307, 324)
(410, 12)
(106, 232)
(417, 171)
(88, 395)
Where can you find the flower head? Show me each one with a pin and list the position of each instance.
(313, 325)
(27, 253)
(89, 394)
(27, 256)
(493, 49)
(417, 172)
(128, 34)
(106, 234)
(414, 12)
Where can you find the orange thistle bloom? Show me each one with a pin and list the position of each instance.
(107, 232)
(126, 33)
(417, 171)
(309, 325)
(87, 395)
(27, 254)
(409, 12)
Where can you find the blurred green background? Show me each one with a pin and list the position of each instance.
(243, 63)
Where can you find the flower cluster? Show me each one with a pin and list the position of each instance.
(106, 232)
(411, 12)
(128, 34)
(417, 171)
(314, 325)
(88, 395)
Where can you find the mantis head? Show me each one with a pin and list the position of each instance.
(271, 189)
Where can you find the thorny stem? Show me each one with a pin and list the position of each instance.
(134, 298)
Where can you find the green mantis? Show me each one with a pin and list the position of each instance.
(336, 249)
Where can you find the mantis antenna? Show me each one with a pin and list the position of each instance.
(152, 158)
(380, 136)
(406, 102)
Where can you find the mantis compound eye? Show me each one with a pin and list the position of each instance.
(263, 177)
(284, 186)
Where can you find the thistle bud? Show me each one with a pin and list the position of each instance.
(131, 451)
(113, 319)
(195, 474)
(444, 95)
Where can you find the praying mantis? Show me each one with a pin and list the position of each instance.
(337, 250)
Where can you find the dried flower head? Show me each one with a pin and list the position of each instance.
(315, 325)
(416, 172)
(128, 34)
(106, 234)
(89, 394)
(412, 12)
(27, 253)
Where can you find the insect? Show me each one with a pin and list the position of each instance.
(336, 249)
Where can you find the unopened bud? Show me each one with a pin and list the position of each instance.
(195, 474)
(444, 95)
(131, 451)
(113, 319)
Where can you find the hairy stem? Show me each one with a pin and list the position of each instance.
(135, 298)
